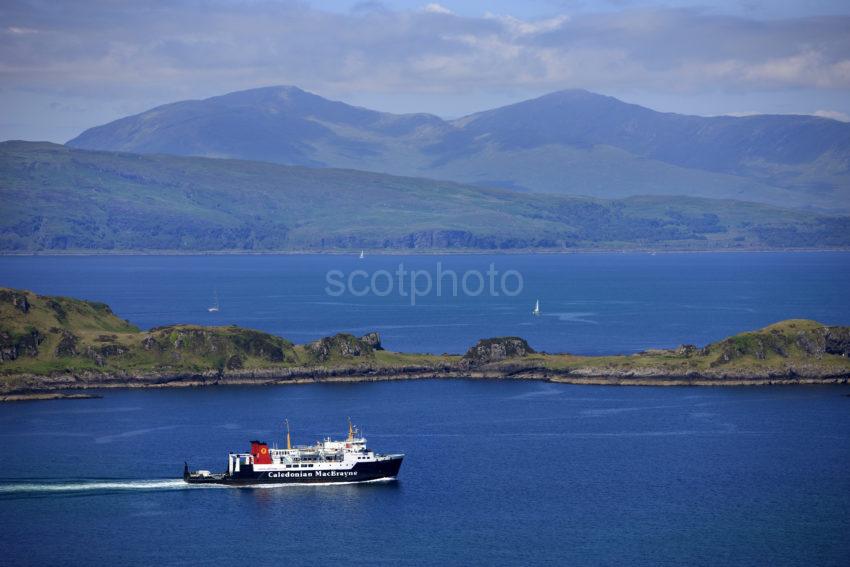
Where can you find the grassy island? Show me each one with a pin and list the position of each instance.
(56, 344)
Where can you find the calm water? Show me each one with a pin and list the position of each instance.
(496, 473)
(592, 304)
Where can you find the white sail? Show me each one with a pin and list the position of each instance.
(536, 308)
(361, 254)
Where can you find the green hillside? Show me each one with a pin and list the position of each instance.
(792, 346)
(55, 199)
(41, 335)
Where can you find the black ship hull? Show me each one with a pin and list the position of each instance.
(386, 469)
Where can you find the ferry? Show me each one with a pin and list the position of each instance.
(327, 461)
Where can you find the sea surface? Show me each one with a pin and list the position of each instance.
(590, 303)
(495, 473)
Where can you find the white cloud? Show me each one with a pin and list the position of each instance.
(834, 114)
(15, 30)
(519, 27)
(435, 8)
(129, 55)
(228, 46)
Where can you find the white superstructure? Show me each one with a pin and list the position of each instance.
(327, 455)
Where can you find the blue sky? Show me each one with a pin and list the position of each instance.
(66, 66)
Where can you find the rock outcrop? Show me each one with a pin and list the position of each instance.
(688, 350)
(219, 342)
(372, 339)
(13, 346)
(495, 349)
(99, 354)
(837, 341)
(343, 345)
(67, 345)
(18, 300)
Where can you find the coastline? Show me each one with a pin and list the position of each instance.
(60, 386)
(42, 396)
(53, 345)
(417, 252)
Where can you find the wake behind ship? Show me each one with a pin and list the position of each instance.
(326, 461)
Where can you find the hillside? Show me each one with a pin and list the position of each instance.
(570, 142)
(56, 198)
(44, 335)
(57, 343)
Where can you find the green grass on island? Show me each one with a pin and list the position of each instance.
(59, 342)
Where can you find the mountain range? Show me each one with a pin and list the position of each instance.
(570, 142)
(56, 198)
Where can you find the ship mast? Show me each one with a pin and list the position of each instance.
(350, 430)
(288, 442)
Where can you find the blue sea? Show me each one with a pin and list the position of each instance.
(590, 303)
(495, 473)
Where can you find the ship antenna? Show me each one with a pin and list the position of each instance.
(288, 441)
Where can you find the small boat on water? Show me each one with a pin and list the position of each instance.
(348, 460)
(536, 310)
(361, 255)
(214, 308)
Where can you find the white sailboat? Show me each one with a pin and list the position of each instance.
(361, 255)
(536, 308)
(214, 308)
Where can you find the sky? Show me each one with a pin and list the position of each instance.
(66, 66)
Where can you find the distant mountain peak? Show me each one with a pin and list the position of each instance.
(575, 94)
(264, 95)
(571, 141)
(582, 98)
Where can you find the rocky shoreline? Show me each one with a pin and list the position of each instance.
(57, 347)
(59, 386)
(41, 396)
